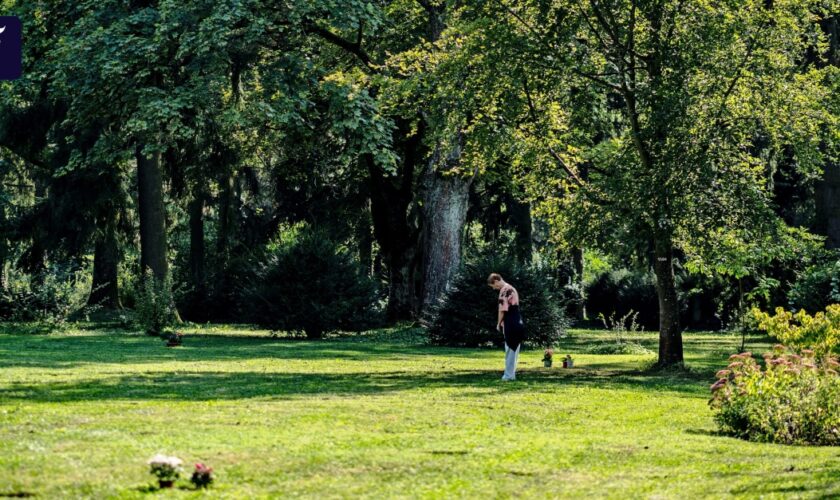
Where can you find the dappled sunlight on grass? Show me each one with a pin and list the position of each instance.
(358, 415)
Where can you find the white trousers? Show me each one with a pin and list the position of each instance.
(511, 357)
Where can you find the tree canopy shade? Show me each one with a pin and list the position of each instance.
(651, 128)
(657, 123)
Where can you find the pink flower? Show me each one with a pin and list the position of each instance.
(717, 385)
(723, 374)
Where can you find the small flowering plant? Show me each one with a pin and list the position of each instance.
(791, 399)
(548, 355)
(166, 469)
(202, 476)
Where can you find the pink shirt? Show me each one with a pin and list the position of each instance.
(508, 296)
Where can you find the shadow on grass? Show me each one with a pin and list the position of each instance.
(52, 351)
(793, 482)
(70, 351)
(214, 385)
(705, 352)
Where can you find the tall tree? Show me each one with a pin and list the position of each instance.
(704, 92)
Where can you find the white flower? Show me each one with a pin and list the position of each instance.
(160, 459)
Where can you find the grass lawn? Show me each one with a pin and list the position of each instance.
(375, 416)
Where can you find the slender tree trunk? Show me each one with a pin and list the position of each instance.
(670, 336)
(152, 215)
(196, 212)
(227, 213)
(520, 219)
(577, 262)
(106, 260)
(445, 203)
(229, 199)
(37, 258)
(4, 251)
(364, 237)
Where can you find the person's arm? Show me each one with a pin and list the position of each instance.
(503, 306)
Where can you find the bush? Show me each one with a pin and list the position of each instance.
(306, 282)
(820, 332)
(621, 291)
(466, 314)
(793, 400)
(49, 298)
(816, 287)
(155, 306)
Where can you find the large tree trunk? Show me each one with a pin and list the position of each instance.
(445, 203)
(106, 260)
(519, 216)
(152, 215)
(670, 336)
(196, 212)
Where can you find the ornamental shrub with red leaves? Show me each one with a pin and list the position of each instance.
(202, 477)
(794, 398)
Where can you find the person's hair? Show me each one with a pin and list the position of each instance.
(494, 277)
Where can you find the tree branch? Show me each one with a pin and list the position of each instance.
(533, 111)
(354, 48)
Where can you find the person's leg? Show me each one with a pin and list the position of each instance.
(515, 356)
(510, 362)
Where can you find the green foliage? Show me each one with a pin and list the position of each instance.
(816, 287)
(623, 291)
(820, 332)
(466, 314)
(307, 282)
(49, 297)
(792, 400)
(154, 304)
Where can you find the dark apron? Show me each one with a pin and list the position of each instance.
(514, 327)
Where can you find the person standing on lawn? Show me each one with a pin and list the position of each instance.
(509, 321)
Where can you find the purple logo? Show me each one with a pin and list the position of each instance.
(11, 59)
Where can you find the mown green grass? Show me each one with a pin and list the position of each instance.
(376, 416)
